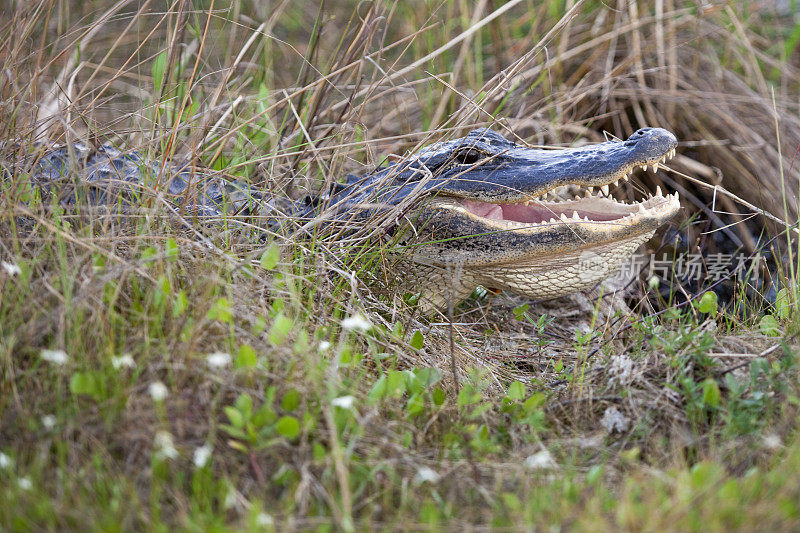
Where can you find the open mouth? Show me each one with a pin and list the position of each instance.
(573, 204)
(588, 209)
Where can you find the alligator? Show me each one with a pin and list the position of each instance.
(478, 210)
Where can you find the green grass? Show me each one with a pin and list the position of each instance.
(156, 376)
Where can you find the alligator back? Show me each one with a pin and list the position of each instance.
(78, 174)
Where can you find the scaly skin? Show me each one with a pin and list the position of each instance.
(479, 210)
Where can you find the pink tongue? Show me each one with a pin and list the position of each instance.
(486, 210)
(530, 214)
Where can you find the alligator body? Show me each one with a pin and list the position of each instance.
(479, 210)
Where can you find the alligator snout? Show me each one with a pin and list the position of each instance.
(647, 143)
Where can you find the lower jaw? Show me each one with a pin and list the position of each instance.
(549, 276)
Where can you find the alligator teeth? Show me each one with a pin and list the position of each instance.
(563, 217)
(616, 183)
(552, 220)
(658, 190)
(587, 194)
(644, 167)
(590, 189)
(604, 188)
(655, 167)
(575, 216)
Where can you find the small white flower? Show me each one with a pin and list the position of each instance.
(345, 402)
(357, 323)
(25, 483)
(202, 454)
(772, 441)
(165, 446)
(123, 361)
(324, 346)
(57, 357)
(49, 421)
(158, 391)
(11, 269)
(540, 461)
(653, 283)
(264, 520)
(5, 461)
(218, 360)
(427, 474)
(613, 421)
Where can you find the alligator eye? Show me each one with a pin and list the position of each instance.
(468, 156)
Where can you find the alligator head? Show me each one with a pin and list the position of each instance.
(494, 213)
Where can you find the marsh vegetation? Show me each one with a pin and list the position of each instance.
(156, 374)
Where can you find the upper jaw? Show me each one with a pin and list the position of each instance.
(604, 182)
(517, 174)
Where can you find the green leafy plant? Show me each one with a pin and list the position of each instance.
(258, 428)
